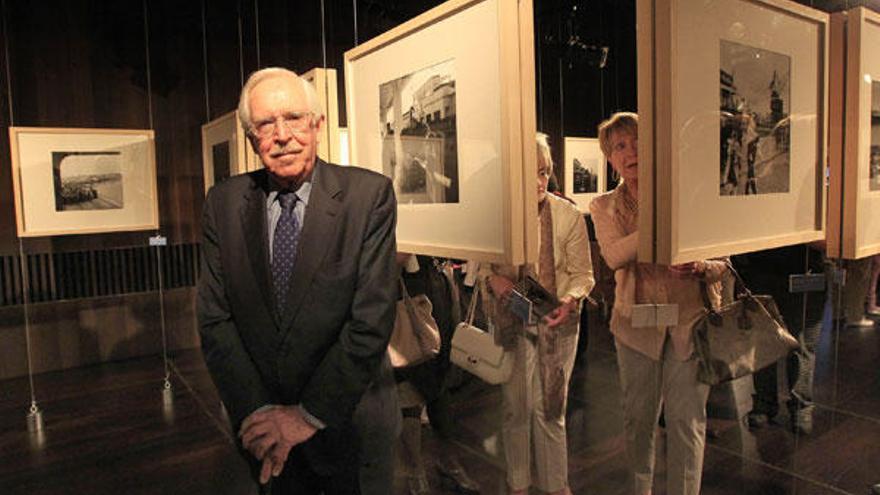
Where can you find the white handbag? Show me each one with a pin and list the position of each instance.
(475, 350)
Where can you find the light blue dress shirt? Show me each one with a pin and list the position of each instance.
(273, 212)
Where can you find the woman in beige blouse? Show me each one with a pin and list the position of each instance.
(657, 364)
(534, 397)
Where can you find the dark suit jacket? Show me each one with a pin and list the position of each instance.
(328, 353)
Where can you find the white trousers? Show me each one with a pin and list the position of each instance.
(524, 428)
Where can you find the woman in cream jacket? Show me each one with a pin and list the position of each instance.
(534, 397)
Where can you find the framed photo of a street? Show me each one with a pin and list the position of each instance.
(854, 189)
(453, 127)
(83, 181)
(226, 150)
(584, 171)
(324, 82)
(732, 113)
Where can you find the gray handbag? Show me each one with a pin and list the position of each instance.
(740, 338)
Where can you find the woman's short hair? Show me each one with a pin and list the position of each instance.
(543, 141)
(244, 100)
(621, 121)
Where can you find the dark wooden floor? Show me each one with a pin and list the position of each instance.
(107, 430)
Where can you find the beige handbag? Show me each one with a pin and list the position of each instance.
(740, 338)
(475, 350)
(416, 336)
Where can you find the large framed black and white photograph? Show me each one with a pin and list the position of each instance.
(417, 125)
(81, 181)
(854, 189)
(733, 117)
(584, 171)
(452, 127)
(755, 97)
(225, 150)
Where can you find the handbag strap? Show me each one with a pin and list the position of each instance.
(472, 307)
(454, 293)
(739, 288)
(403, 290)
(410, 308)
(740, 283)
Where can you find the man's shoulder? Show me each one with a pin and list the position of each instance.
(238, 184)
(356, 175)
(353, 182)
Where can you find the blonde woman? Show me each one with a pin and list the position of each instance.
(657, 365)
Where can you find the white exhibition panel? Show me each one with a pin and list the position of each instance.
(868, 209)
(469, 39)
(703, 216)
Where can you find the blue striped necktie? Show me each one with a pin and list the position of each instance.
(284, 243)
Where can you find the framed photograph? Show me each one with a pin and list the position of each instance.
(584, 171)
(453, 128)
(732, 113)
(83, 181)
(854, 192)
(226, 150)
(324, 81)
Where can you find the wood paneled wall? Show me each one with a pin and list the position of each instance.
(161, 64)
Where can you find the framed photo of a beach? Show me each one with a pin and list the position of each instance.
(83, 181)
(453, 127)
(733, 118)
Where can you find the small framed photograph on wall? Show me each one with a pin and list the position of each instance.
(83, 181)
(584, 170)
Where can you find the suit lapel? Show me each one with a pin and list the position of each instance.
(319, 226)
(256, 235)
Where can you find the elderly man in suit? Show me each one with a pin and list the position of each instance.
(296, 302)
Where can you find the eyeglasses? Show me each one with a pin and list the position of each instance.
(297, 122)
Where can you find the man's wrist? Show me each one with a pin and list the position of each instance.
(312, 420)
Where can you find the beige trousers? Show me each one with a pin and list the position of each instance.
(647, 384)
(848, 301)
(524, 428)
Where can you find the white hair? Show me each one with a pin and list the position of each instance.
(543, 141)
(244, 101)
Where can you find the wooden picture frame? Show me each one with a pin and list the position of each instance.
(324, 82)
(737, 134)
(585, 171)
(83, 181)
(478, 201)
(344, 147)
(854, 183)
(226, 150)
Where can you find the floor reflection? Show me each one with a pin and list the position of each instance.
(108, 430)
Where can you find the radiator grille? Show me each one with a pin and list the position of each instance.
(84, 274)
